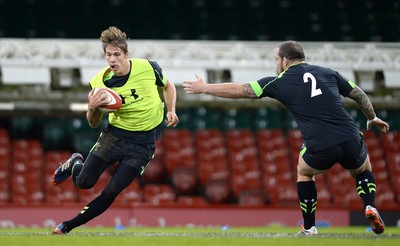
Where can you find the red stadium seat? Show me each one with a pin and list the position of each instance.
(159, 195)
(184, 180)
(213, 170)
(154, 172)
(391, 141)
(252, 198)
(217, 191)
(249, 180)
(192, 201)
(179, 149)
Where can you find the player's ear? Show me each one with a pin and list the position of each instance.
(285, 62)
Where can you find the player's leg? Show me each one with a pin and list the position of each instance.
(85, 175)
(356, 161)
(366, 189)
(307, 192)
(123, 176)
(129, 167)
(74, 165)
(104, 153)
(365, 182)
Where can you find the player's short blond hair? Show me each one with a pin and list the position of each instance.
(115, 37)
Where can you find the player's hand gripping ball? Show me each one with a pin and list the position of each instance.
(114, 102)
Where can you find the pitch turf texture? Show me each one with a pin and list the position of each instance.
(168, 236)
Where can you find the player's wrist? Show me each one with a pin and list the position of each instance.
(91, 109)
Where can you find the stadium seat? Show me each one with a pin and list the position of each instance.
(217, 191)
(324, 194)
(268, 118)
(191, 201)
(343, 181)
(380, 170)
(5, 142)
(184, 180)
(25, 127)
(295, 139)
(371, 139)
(212, 170)
(83, 141)
(206, 118)
(154, 172)
(209, 139)
(391, 141)
(56, 135)
(237, 119)
(359, 118)
(244, 161)
(395, 182)
(276, 166)
(281, 189)
(392, 117)
(186, 117)
(242, 181)
(179, 149)
(385, 195)
(65, 194)
(271, 139)
(211, 155)
(159, 195)
(4, 181)
(252, 198)
(393, 162)
(26, 190)
(27, 172)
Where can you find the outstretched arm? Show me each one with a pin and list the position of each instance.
(226, 90)
(365, 104)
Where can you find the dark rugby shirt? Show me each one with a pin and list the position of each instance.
(312, 94)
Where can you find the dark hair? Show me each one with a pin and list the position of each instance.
(115, 37)
(291, 50)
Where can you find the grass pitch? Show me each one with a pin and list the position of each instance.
(176, 236)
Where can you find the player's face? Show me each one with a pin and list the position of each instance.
(117, 60)
(279, 62)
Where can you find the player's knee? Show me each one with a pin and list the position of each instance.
(84, 183)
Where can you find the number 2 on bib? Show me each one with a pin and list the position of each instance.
(314, 90)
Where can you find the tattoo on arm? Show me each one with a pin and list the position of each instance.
(248, 91)
(363, 101)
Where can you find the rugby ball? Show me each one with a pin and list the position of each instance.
(114, 101)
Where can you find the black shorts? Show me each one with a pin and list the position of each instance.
(350, 155)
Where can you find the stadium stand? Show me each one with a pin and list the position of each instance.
(206, 167)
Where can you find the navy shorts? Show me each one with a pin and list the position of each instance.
(112, 149)
(350, 155)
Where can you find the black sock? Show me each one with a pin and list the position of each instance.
(90, 211)
(123, 176)
(307, 192)
(366, 187)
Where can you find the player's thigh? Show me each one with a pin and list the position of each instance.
(366, 166)
(304, 171)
